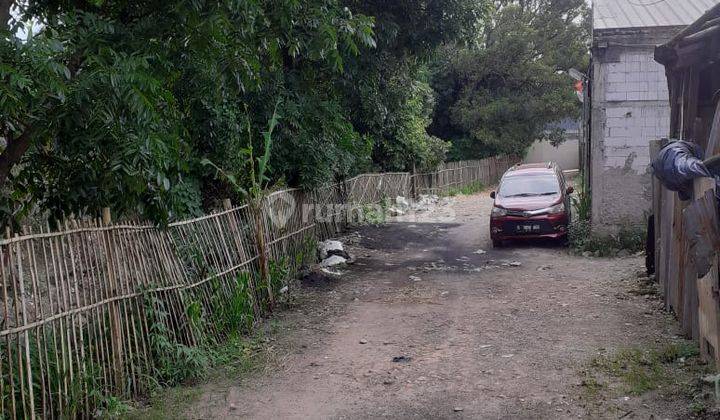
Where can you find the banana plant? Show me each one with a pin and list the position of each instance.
(255, 195)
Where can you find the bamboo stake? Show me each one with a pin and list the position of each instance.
(70, 333)
(142, 346)
(122, 280)
(9, 343)
(174, 298)
(39, 332)
(115, 322)
(100, 293)
(2, 282)
(180, 271)
(211, 248)
(175, 312)
(91, 317)
(64, 365)
(77, 321)
(52, 326)
(20, 365)
(140, 268)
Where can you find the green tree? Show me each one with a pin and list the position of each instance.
(500, 94)
(115, 102)
(388, 89)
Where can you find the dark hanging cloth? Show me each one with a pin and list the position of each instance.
(677, 165)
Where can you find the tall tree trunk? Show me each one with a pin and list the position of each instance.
(16, 148)
(5, 6)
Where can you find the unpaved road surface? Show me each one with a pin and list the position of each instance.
(500, 334)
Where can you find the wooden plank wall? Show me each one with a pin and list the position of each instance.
(693, 300)
(708, 309)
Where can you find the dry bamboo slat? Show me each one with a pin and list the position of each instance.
(75, 299)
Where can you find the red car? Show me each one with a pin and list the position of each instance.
(532, 201)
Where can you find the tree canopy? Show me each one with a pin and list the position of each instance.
(117, 102)
(500, 94)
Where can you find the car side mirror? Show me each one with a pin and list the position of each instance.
(492, 195)
(570, 190)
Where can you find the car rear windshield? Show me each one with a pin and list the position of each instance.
(529, 186)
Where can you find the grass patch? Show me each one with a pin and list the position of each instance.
(592, 388)
(645, 287)
(674, 371)
(470, 189)
(237, 357)
(643, 370)
(629, 238)
(582, 239)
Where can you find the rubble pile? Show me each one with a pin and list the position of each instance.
(332, 253)
(424, 203)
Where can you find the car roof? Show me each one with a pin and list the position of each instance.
(533, 168)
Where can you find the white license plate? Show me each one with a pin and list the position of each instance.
(528, 228)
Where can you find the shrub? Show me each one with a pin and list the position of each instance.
(629, 238)
(470, 189)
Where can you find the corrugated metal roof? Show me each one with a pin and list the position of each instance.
(616, 14)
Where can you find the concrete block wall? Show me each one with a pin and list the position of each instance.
(630, 108)
(636, 77)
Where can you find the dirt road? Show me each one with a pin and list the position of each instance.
(426, 325)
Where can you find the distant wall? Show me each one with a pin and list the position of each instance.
(567, 155)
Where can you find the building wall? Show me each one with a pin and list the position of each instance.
(567, 154)
(629, 109)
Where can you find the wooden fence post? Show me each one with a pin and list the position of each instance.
(413, 177)
(708, 305)
(235, 233)
(655, 147)
(116, 336)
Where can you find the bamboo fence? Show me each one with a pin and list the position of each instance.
(458, 174)
(87, 308)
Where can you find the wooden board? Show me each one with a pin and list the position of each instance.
(707, 288)
(672, 247)
(665, 226)
(655, 147)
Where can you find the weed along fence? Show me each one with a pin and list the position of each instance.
(98, 310)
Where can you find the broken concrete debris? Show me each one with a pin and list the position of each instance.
(402, 203)
(325, 247)
(424, 203)
(333, 261)
(331, 254)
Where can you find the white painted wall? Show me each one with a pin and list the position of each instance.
(567, 155)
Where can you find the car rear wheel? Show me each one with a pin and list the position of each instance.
(497, 243)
